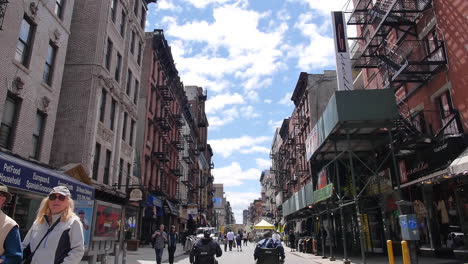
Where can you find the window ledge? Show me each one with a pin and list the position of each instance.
(48, 87)
(21, 67)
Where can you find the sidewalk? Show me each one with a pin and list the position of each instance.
(369, 259)
(144, 255)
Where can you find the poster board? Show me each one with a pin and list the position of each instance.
(84, 210)
(107, 221)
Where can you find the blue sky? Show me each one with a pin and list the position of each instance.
(248, 55)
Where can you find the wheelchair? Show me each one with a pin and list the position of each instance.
(269, 256)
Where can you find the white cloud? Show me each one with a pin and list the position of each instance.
(218, 102)
(228, 48)
(204, 3)
(275, 124)
(227, 116)
(246, 144)
(255, 149)
(286, 100)
(268, 101)
(248, 112)
(263, 163)
(168, 5)
(234, 175)
(320, 50)
(325, 6)
(240, 201)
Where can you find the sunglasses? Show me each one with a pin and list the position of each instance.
(54, 196)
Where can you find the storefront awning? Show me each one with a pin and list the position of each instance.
(18, 173)
(460, 164)
(170, 208)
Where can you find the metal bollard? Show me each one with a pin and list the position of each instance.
(391, 258)
(405, 252)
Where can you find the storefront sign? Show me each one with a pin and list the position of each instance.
(136, 195)
(383, 179)
(84, 210)
(343, 62)
(311, 142)
(18, 173)
(324, 193)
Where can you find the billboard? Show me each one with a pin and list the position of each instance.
(107, 221)
(84, 210)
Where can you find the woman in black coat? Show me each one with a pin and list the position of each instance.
(292, 241)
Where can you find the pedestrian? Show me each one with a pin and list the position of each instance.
(10, 241)
(239, 242)
(292, 241)
(160, 238)
(225, 242)
(230, 237)
(276, 236)
(172, 239)
(244, 236)
(205, 249)
(56, 235)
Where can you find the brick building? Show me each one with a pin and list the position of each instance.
(160, 139)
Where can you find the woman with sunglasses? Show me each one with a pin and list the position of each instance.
(57, 233)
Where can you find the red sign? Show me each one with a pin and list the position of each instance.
(322, 179)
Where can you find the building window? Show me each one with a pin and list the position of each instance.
(135, 92)
(37, 135)
(148, 132)
(132, 130)
(112, 117)
(129, 173)
(113, 9)
(24, 46)
(59, 4)
(139, 53)
(143, 17)
(97, 157)
(122, 24)
(132, 43)
(120, 172)
(129, 82)
(117, 67)
(49, 64)
(102, 108)
(135, 8)
(124, 129)
(109, 54)
(151, 99)
(107, 167)
(8, 122)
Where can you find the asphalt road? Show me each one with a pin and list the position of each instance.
(244, 257)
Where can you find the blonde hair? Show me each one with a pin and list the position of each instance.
(43, 210)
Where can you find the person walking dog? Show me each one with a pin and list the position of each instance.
(57, 234)
(10, 241)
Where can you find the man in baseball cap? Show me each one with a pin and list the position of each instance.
(10, 241)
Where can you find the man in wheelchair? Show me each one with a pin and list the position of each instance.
(269, 251)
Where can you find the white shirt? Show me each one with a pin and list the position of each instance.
(276, 236)
(230, 235)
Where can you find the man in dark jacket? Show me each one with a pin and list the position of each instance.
(268, 242)
(204, 250)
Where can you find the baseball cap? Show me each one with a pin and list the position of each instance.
(61, 190)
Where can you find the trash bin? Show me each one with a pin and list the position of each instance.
(133, 244)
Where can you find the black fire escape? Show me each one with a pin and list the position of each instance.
(406, 60)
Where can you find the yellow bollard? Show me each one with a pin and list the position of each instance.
(391, 258)
(404, 249)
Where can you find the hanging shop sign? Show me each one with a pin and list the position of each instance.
(136, 195)
(324, 193)
(343, 61)
(21, 174)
